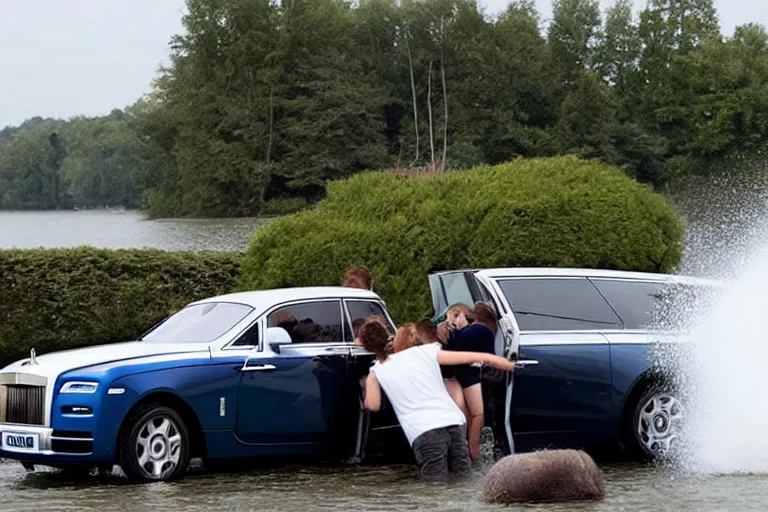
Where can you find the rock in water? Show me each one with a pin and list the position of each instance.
(544, 476)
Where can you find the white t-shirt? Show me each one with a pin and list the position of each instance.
(412, 381)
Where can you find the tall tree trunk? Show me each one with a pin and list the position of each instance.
(429, 108)
(413, 92)
(271, 124)
(445, 105)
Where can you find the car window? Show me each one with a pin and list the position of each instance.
(199, 323)
(634, 301)
(457, 290)
(249, 338)
(647, 304)
(310, 322)
(558, 305)
(359, 310)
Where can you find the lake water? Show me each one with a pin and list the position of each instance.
(629, 487)
(116, 229)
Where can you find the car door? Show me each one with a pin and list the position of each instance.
(357, 311)
(467, 287)
(294, 394)
(566, 398)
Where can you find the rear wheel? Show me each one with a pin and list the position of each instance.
(655, 426)
(155, 445)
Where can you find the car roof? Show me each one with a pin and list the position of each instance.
(262, 299)
(511, 272)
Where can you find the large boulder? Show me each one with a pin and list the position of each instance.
(544, 476)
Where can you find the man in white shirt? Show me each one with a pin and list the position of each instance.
(431, 420)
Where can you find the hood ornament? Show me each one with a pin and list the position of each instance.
(32, 357)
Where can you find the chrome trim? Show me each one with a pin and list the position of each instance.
(44, 434)
(541, 343)
(22, 379)
(557, 272)
(508, 415)
(259, 368)
(66, 387)
(46, 437)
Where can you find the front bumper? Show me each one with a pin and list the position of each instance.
(25, 442)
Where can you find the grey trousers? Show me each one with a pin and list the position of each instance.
(441, 452)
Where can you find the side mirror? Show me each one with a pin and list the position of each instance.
(276, 337)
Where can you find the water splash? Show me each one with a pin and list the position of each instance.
(722, 374)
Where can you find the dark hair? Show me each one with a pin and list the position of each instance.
(358, 277)
(374, 337)
(484, 313)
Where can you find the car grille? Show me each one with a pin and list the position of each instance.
(24, 404)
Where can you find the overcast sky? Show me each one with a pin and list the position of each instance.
(67, 58)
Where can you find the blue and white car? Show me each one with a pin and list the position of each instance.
(220, 379)
(591, 333)
(271, 373)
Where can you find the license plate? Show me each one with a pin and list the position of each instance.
(21, 443)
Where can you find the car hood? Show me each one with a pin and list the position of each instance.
(54, 364)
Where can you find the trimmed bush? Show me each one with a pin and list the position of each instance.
(68, 298)
(558, 212)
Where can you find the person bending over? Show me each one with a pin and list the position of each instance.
(469, 330)
(430, 419)
(476, 337)
(457, 317)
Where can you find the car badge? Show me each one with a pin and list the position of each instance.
(32, 357)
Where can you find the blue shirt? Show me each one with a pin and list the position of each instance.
(473, 338)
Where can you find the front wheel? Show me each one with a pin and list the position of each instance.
(155, 446)
(656, 424)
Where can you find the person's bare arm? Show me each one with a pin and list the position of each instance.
(372, 400)
(450, 358)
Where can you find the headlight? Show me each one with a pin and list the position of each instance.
(79, 387)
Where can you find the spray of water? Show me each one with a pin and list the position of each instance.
(727, 383)
(722, 374)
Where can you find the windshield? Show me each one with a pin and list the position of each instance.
(200, 323)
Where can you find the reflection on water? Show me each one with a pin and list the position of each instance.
(115, 229)
(629, 487)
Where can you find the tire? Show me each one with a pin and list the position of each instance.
(654, 425)
(154, 446)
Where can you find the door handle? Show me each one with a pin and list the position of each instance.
(337, 349)
(259, 368)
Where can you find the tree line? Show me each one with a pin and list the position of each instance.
(264, 102)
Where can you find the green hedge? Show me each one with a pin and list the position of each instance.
(557, 212)
(61, 299)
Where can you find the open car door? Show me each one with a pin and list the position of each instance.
(467, 287)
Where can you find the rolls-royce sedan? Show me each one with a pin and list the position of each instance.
(275, 372)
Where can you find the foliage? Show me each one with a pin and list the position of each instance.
(85, 162)
(61, 299)
(531, 212)
(267, 101)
